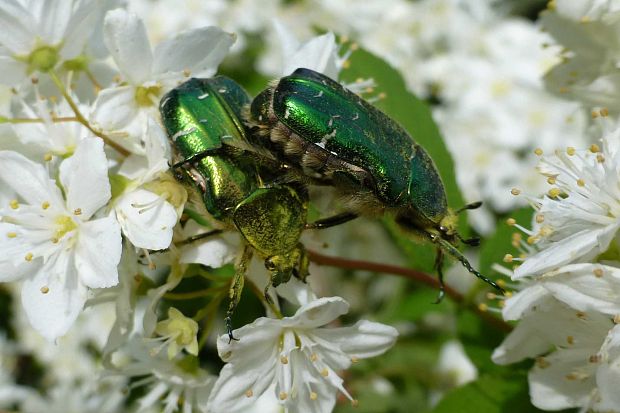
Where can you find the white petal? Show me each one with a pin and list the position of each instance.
(579, 245)
(579, 287)
(85, 178)
(200, 51)
(126, 39)
(319, 54)
(115, 108)
(363, 340)
(17, 27)
(28, 179)
(80, 28)
(215, 252)
(296, 292)
(53, 313)
(608, 373)
(522, 342)
(317, 313)
(522, 303)
(13, 71)
(54, 16)
(148, 227)
(98, 252)
(551, 387)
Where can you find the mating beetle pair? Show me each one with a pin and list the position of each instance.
(318, 132)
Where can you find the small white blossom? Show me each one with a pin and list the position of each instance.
(295, 358)
(148, 74)
(52, 241)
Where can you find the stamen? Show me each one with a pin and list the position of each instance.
(29, 257)
(45, 205)
(249, 393)
(284, 360)
(538, 151)
(14, 204)
(313, 396)
(11, 234)
(598, 272)
(570, 151)
(45, 289)
(325, 372)
(515, 191)
(570, 340)
(77, 211)
(283, 395)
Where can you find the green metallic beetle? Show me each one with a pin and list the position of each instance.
(198, 116)
(335, 137)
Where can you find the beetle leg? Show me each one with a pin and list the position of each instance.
(332, 221)
(236, 287)
(196, 157)
(471, 205)
(439, 268)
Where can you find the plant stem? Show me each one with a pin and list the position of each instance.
(39, 120)
(80, 118)
(411, 274)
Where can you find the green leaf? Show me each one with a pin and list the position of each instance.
(489, 394)
(415, 116)
(493, 248)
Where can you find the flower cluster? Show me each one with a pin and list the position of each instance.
(86, 196)
(568, 301)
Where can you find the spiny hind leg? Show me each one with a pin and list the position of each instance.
(332, 221)
(236, 287)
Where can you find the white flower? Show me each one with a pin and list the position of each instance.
(569, 375)
(143, 209)
(42, 35)
(580, 215)
(149, 74)
(51, 241)
(295, 358)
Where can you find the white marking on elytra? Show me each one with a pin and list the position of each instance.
(356, 117)
(202, 120)
(331, 120)
(203, 96)
(286, 113)
(165, 101)
(222, 90)
(318, 95)
(326, 138)
(182, 133)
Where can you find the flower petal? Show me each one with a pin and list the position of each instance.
(146, 219)
(579, 287)
(13, 71)
(85, 178)
(214, 253)
(17, 25)
(115, 108)
(84, 20)
(98, 252)
(200, 51)
(364, 339)
(52, 313)
(317, 313)
(319, 54)
(581, 245)
(28, 179)
(126, 39)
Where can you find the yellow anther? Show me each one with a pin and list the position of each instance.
(546, 231)
(542, 362)
(45, 289)
(570, 340)
(594, 114)
(570, 151)
(354, 359)
(604, 112)
(29, 257)
(355, 403)
(483, 307)
(382, 95)
(594, 148)
(283, 395)
(508, 258)
(54, 240)
(77, 211)
(325, 372)
(354, 46)
(581, 315)
(571, 376)
(507, 294)
(538, 151)
(531, 239)
(501, 283)
(346, 64)
(314, 357)
(515, 191)
(598, 272)
(284, 360)
(14, 204)
(313, 395)
(47, 157)
(11, 234)
(600, 158)
(249, 393)
(551, 180)
(502, 304)
(616, 319)
(540, 218)
(491, 296)
(595, 358)
(563, 90)
(187, 72)
(511, 221)
(554, 192)
(581, 182)
(45, 205)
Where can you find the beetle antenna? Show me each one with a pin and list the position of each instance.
(472, 205)
(451, 250)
